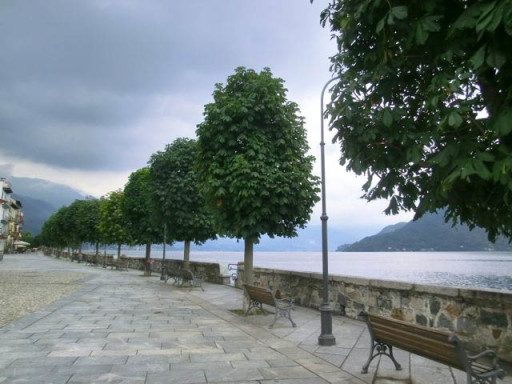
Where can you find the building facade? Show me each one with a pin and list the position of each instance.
(11, 218)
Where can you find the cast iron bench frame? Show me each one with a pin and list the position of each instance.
(120, 264)
(176, 275)
(259, 296)
(193, 280)
(443, 347)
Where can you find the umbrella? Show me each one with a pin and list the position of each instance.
(21, 243)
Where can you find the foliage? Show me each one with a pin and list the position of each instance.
(113, 224)
(174, 185)
(72, 225)
(87, 219)
(54, 232)
(139, 209)
(252, 164)
(27, 236)
(423, 106)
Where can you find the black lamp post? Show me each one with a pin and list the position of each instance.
(162, 269)
(326, 337)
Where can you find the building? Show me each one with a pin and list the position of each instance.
(11, 218)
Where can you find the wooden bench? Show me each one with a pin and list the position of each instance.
(443, 347)
(193, 280)
(259, 296)
(176, 275)
(120, 264)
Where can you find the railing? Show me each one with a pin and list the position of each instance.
(233, 268)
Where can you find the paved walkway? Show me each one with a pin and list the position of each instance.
(124, 328)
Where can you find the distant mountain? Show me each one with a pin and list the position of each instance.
(308, 240)
(35, 213)
(392, 228)
(40, 199)
(429, 233)
(52, 193)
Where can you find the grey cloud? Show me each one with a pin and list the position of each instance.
(79, 79)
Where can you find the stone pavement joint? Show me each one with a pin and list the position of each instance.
(121, 327)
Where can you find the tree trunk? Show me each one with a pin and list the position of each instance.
(147, 265)
(118, 251)
(186, 256)
(97, 249)
(248, 257)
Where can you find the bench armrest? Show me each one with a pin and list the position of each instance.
(488, 353)
(286, 301)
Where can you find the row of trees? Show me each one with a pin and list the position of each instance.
(246, 175)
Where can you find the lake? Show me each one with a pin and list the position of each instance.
(492, 270)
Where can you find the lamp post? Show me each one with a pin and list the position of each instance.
(162, 274)
(326, 337)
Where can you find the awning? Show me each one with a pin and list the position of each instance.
(20, 243)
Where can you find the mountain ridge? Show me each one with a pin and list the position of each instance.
(429, 233)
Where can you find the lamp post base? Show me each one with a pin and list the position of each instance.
(326, 338)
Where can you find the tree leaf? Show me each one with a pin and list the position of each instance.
(454, 119)
(478, 59)
(495, 58)
(387, 118)
(399, 12)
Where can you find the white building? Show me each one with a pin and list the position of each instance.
(5, 214)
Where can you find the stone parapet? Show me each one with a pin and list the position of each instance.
(482, 317)
(209, 271)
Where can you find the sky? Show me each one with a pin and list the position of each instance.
(90, 89)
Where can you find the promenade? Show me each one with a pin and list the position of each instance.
(121, 327)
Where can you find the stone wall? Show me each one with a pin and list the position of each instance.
(482, 317)
(210, 271)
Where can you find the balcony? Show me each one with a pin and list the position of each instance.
(6, 186)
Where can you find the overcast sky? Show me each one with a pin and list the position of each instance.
(90, 89)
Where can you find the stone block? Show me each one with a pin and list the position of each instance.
(421, 320)
(496, 319)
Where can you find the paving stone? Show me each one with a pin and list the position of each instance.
(233, 375)
(296, 372)
(177, 376)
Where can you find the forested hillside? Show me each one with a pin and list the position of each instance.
(430, 233)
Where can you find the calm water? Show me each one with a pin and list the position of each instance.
(464, 269)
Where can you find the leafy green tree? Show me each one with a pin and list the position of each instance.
(252, 164)
(113, 224)
(88, 214)
(82, 222)
(139, 210)
(423, 106)
(54, 232)
(27, 236)
(174, 185)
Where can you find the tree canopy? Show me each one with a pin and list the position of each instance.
(139, 208)
(174, 184)
(252, 162)
(423, 106)
(113, 224)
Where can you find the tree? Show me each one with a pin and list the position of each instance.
(423, 106)
(113, 224)
(54, 232)
(139, 210)
(174, 185)
(27, 236)
(252, 164)
(82, 219)
(88, 211)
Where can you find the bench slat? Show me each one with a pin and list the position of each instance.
(421, 346)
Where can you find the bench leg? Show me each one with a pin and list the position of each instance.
(380, 349)
(254, 304)
(283, 313)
